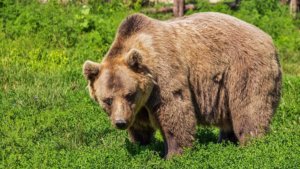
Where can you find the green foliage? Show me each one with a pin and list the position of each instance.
(47, 119)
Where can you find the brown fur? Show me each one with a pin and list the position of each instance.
(207, 68)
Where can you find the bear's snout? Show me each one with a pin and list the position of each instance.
(121, 124)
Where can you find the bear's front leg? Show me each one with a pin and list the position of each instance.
(178, 132)
(178, 124)
(172, 146)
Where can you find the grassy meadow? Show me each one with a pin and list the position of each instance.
(47, 119)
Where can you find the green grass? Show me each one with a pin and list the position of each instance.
(47, 119)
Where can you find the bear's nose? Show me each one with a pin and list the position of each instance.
(121, 124)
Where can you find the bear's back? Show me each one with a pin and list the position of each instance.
(211, 40)
(221, 35)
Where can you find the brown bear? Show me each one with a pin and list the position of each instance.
(207, 68)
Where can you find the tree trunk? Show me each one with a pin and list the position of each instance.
(294, 7)
(178, 9)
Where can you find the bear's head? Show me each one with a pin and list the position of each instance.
(121, 85)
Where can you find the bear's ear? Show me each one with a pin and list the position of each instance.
(134, 59)
(91, 70)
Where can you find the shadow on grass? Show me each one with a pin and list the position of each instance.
(136, 149)
(204, 136)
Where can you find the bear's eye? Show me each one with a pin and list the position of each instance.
(130, 97)
(108, 101)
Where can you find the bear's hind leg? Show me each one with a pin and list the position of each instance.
(251, 123)
(254, 94)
